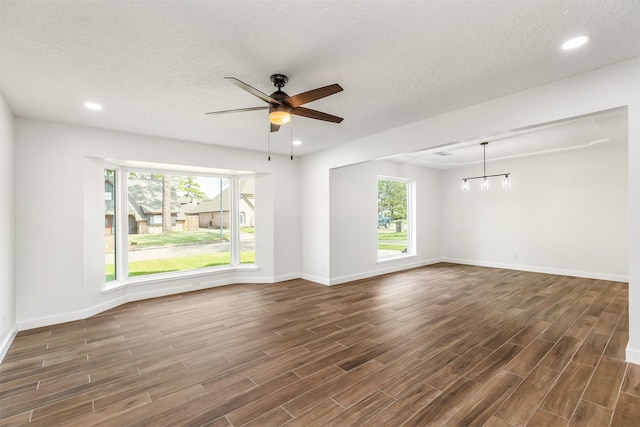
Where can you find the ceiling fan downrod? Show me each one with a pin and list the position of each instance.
(279, 80)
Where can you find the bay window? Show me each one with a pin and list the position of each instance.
(159, 223)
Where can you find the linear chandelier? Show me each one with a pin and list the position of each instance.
(484, 184)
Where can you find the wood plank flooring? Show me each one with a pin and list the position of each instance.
(441, 345)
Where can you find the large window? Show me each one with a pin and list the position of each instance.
(176, 222)
(110, 224)
(394, 217)
(246, 219)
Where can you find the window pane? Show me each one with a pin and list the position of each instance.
(247, 220)
(110, 224)
(177, 223)
(392, 218)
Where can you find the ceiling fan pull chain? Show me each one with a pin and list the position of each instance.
(269, 140)
(484, 158)
(291, 137)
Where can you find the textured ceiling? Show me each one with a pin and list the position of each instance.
(594, 131)
(158, 66)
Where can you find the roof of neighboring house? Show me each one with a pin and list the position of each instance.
(213, 205)
(248, 199)
(145, 198)
(246, 187)
(188, 207)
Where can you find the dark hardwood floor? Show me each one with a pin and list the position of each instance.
(440, 345)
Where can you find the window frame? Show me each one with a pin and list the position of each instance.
(411, 218)
(122, 278)
(115, 224)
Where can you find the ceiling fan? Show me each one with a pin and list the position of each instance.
(281, 105)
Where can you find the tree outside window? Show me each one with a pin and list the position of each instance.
(393, 217)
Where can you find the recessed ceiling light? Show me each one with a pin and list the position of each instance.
(92, 106)
(575, 42)
(297, 142)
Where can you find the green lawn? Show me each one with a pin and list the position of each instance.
(389, 247)
(247, 230)
(177, 238)
(179, 263)
(392, 236)
(183, 262)
(392, 241)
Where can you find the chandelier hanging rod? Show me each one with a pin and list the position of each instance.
(487, 176)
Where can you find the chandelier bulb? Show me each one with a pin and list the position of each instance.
(485, 183)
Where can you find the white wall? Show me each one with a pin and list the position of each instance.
(7, 228)
(354, 208)
(59, 210)
(564, 213)
(286, 222)
(598, 90)
(314, 206)
(633, 347)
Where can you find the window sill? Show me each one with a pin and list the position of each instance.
(165, 277)
(394, 258)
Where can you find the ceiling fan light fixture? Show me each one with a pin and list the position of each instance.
(279, 115)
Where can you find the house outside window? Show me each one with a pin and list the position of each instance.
(180, 223)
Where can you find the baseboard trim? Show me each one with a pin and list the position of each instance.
(316, 279)
(633, 355)
(285, 277)
(71, 316)
(397, 266)
(545, 270)
(7, 341)
(133, 293)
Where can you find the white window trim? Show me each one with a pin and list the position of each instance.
(166, 277)
(122, 230)
(411, 224)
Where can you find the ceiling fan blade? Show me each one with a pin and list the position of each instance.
(274, 127)
(312, 95)
(253, 91)
(313, 114)
(238, 110)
